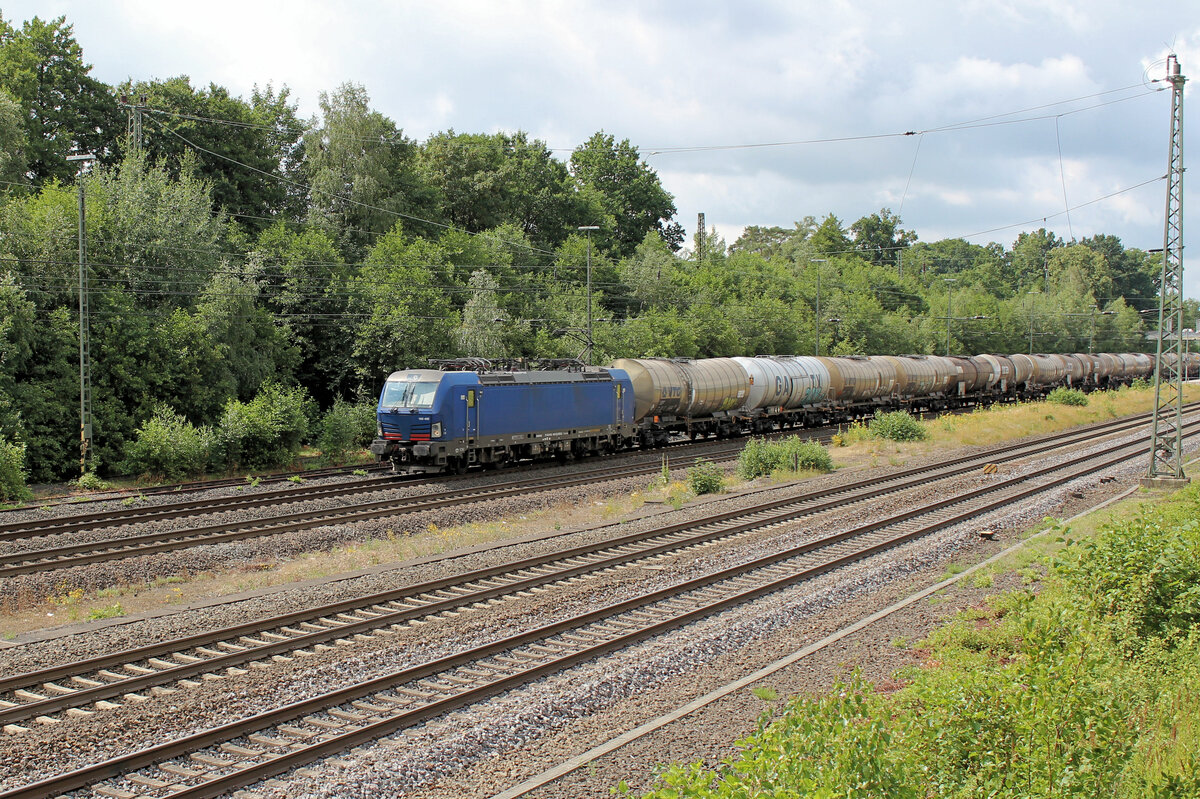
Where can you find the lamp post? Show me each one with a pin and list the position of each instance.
(589, 229)
(950, 281)
(817, 315)
(85, 377)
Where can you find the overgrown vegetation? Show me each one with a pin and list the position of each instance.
(346, 428)
(169, 446)
(1086, 689)
(897, 426)
(1067, 396)
(705, 477)
(762, 457)
(13, 486)
(268, 430)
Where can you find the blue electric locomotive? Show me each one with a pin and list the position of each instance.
(433, 421)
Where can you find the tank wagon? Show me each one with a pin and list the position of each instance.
(471, 411)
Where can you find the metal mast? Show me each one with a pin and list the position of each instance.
(85, 369)
(134, 126)
(1166, 437)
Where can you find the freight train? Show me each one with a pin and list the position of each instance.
(470, 411)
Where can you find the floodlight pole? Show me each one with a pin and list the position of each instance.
(1166, 435)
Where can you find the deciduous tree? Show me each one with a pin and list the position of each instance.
(65, 109)
(629, 193)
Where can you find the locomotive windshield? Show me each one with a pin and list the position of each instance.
(408, 395)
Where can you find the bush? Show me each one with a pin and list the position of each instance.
(90, 481)
(1067, 396)
(1143, 576)
(268, 430)
(897, 426)
(13, 486)
(760, 457)
(346, 428)
(705, 478)
(169, 446)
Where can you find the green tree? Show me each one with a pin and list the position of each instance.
(1081, 270)
(480, 334)
(303, 282)
(18, 335)
(879, 238)
(629, 193)
(771, 242)
(66, 110)
(12, 142)
(361, 172)
(654, 334)
(252, 141)
(1134, 272)
(652, 277)
(1029, 257)
(254, 349)
(402, 315)
(830, 238)
(485, 181)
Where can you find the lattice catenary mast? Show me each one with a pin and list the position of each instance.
(1166, 436)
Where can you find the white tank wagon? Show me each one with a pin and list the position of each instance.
(784, 382)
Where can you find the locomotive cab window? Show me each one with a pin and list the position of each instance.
(408, 395)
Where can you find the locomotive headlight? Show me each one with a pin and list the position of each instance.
(437, 430)
(378, 430)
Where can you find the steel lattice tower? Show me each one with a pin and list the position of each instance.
(1166, 437)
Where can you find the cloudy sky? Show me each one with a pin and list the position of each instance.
(755, 113)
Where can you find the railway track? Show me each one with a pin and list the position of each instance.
(103, 682)
(118, 517)
(195, 486)
(68, 555)
(218, 760)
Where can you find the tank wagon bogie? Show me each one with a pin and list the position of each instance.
(432, 420)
